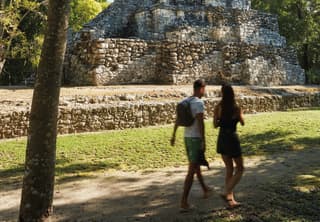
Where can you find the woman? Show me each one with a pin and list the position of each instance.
(226, 116)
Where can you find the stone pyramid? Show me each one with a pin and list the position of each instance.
(177, 41)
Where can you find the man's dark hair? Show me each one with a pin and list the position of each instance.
(199, 83)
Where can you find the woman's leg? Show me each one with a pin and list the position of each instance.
(229, 174)
(233, 180)
(238, 174)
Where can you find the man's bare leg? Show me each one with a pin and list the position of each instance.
(205, 188)
(187, 186)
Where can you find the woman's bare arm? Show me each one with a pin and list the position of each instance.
(216, 116)
(241, 119)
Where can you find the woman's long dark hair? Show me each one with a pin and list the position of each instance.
(228, 103)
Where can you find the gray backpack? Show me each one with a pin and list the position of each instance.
(184, 114)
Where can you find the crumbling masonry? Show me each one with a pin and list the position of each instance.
(177, 41)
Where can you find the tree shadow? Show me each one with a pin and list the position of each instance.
(269, 189)
(11, 179)
(272, 198)
(308, 142)
(266, 143)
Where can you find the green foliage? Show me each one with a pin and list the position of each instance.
(82, 11)
(22, 32)
(13, 35)
(313, 76)
(299, 22)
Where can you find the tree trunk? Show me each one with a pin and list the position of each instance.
(2, 47)
(38, 182)
(2, 56)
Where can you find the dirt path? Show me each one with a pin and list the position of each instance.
(154, 196)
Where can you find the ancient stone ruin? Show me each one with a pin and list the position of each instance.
(177, 41)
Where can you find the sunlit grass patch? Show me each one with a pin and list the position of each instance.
(149, 148)
(308, 182)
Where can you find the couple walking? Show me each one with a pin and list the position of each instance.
(226, 116)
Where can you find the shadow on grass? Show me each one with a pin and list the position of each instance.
(272, 142)
(265, 143)
(308, 142)
(12, 178)
(84, 167)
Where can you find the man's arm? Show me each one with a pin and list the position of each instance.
(173, 138)
(200, 119)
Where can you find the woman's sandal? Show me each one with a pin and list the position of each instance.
(187, 209)
(233, 206)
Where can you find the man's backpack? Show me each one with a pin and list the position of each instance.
(184, 114)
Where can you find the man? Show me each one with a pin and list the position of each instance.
(194, 137)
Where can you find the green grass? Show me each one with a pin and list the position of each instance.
(149, 148)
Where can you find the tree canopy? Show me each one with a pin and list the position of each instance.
(82, 11)
(299, 22)
(22, 27)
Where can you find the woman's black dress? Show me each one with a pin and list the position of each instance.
(228, 139)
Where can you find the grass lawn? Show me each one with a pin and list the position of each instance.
(294, 198)
(148, 148)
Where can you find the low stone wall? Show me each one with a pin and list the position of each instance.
(97, 117)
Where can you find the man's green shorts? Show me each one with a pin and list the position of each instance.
(193, 147)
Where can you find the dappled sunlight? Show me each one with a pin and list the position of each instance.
(267, 191)
(308, 183)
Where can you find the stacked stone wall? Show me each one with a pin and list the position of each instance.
(99, 117)
(237, 63)
(174, 42)
(134, 61)
(113, 61)
(116, 20)
(211, 24)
